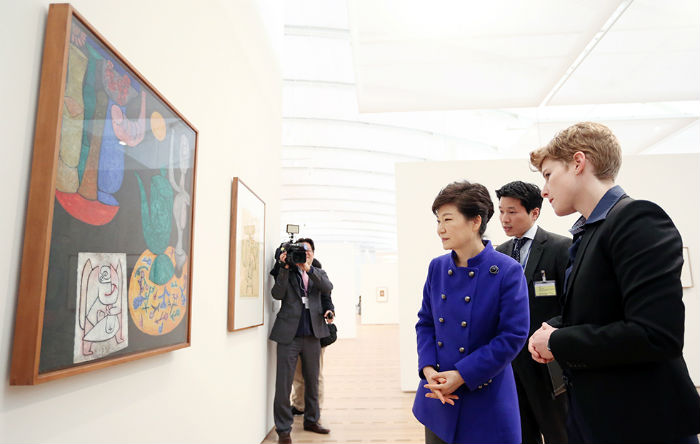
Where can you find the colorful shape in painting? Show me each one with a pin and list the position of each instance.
(182, 198)
(156, 309)
(72, 125)
(130, 132)
(101, 327)
(95, 130)
(156, 221)
(158, 126)
(91, 212)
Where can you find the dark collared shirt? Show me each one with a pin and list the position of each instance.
(599, 213)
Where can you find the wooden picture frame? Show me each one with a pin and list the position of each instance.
(107, 255)
(246, 258)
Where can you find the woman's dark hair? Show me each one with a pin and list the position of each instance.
(307, 239)
(471, 199)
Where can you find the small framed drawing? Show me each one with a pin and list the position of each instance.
(108, 239)
(246, 258)
(686, 273)
(382, 294)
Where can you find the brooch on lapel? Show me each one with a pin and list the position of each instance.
(493, 269)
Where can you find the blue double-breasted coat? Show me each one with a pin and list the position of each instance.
(474, 320)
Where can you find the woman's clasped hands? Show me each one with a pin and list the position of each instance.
(442, 384)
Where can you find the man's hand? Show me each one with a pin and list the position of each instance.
(537, 345)
(283, 259)
(329, 315)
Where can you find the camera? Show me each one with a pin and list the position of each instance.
(296, 252)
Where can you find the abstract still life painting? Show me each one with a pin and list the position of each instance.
(107, 257)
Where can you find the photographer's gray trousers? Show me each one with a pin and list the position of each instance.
(308, 348)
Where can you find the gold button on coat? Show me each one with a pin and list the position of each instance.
(439, 343)
(449, 272)
(467, 299)
(443, 297)
(441, 320)
(461, 349)
(464, 323)
(471, 274)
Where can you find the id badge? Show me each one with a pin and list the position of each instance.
(305, 300)
(545, 288)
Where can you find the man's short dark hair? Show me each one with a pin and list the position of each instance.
(528, 194)
(471, 199)
(307, 239)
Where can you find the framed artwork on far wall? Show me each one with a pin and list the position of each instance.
(382, 294)
(108, 238)
(246, 258)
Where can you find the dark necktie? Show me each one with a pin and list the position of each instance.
(517, 244)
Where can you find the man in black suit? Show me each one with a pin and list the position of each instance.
(620, 336)
(544, 257)
(300, 324)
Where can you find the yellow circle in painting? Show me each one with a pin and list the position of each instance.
(157, 309)
(158, 125)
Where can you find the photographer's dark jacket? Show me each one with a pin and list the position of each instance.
(288, 289)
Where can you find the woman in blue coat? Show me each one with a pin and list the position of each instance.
(473, 322)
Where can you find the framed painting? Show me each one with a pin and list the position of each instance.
(382, 294)
(246, 258)
(107, 254)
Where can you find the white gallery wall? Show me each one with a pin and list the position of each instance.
(215, 61)
(378, 309)
(341, 263)
(671, 181)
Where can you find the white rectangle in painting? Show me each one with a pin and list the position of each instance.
(101, 323)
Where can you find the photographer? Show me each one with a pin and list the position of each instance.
(305, 294)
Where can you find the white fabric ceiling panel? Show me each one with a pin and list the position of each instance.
(362, 224)
(306, 176)
(339, 204)
(310, 58)
(652, 53)
(332, 217)
(634, 135)
(308, 99)
(412, 55)
(344, 159)
(317, 13)
(351, 134)
(686, 140)
(332, 191)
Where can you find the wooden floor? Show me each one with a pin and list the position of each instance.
(363, 399)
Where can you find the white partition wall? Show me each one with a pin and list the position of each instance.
(380, 293)
(341, 262)
(672, 181)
